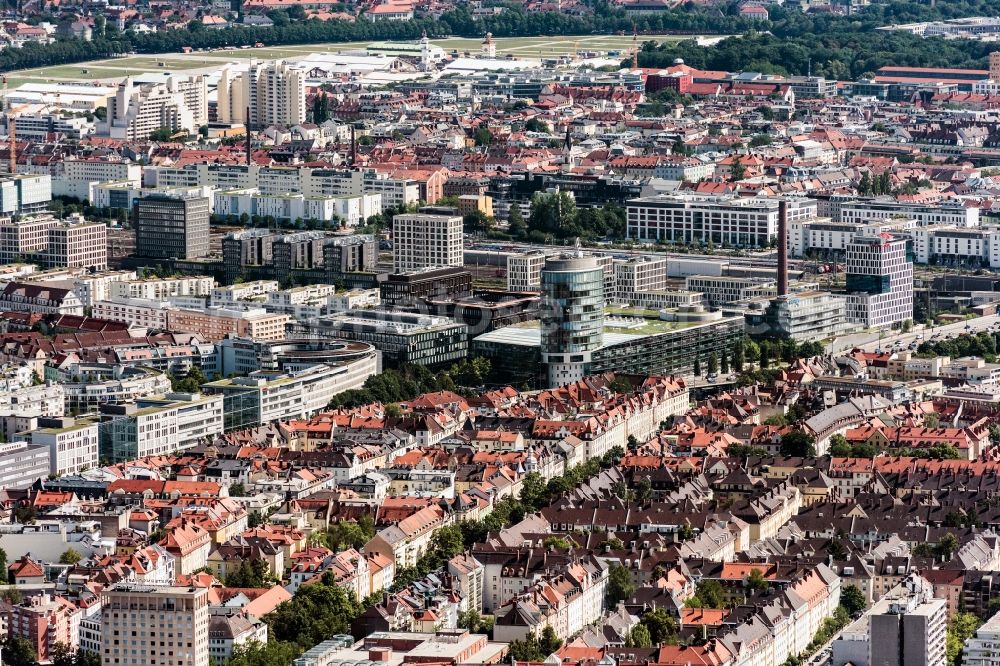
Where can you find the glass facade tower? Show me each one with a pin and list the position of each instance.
(572, 316)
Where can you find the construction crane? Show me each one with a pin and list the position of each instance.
(11, 129)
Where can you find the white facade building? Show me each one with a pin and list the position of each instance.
(426, 241)
(699, 219)
(879, 281)
(73, 446)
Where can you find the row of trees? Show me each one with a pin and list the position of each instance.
(980, 344)
(555, 216)
(410, 380)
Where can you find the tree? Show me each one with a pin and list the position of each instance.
(554, 213)
(947, 547)
(315, 613)
(64, 655)
(756, 582)
(25, 515)
(620, 385)
(738, 357)
(853, 599)
(708, 594)
(447, 541)
(237, 490)
(271, 653)
(662, 628)
(18, 651)
(549, 642)
(3, 560)
(483, 137)
(725, 363)
(619, 587)
(737, 171)
(960, 629)
(536, 125)
(515, 222)
(639, 637)
(697, 367)
(162, 133)
(713, 363)
(70, 556)
(250, 574)
(839, 446)
(931, 421)
(798, 444)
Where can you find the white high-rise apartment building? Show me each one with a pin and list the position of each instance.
(146, 624)
(136, 112)
(879, 281)
(423, 241)
(274, 93)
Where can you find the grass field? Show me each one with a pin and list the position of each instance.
(113, 69)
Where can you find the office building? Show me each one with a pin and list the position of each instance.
(76, 243)
(879, 281)
(804, 316)
(422, 240)
(135, 112)
(249, 248)
(265, 396)
(273, 92)
(170, 227)
(143, 625)
(877, 210)
(401, 337)
(413, 287)
(52, 243)
(639, 274)
(572, 316)
(23, 194)
(721, 220)
(910, 630)
(43, 126)
(524, 271)
(79, 174)
(72, 443)
(633, 343)
(158, 425)
(21, 464)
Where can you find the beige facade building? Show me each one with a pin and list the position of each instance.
(144, 625)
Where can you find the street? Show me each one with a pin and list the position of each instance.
(871, 341)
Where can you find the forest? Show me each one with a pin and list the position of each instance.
(836, 47)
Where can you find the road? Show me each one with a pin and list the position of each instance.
(871, 341)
